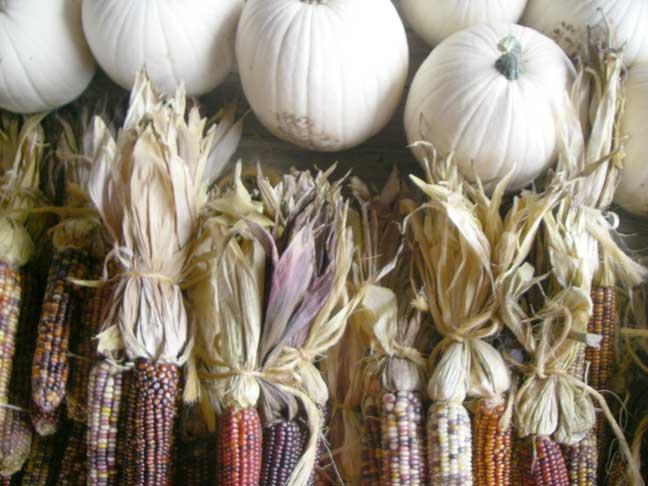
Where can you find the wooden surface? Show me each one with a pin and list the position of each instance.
(373, 159)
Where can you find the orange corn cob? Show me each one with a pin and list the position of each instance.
(541, 463)
(582, 462)
(150, 421)
(50, 366)
(73, 470)
(371, 447)
(492, 446)
(11, 294)
(238, 449)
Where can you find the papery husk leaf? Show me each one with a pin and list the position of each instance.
(537, 407)
(450, 378)
(16, 245)
(577, 414)
(489, 374)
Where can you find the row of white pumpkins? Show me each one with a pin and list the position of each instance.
(328, 74)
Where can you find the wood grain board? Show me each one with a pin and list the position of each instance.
(372, 160)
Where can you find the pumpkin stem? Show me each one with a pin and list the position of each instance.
(509, 63)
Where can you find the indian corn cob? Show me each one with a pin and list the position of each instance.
(283, 444)
(196, 465)
(617, 475)
(492, 446)
(11, 293)
(105, 391)
(60, 312)
(238, 447)
(85, 356)
(150, 422)
(581, 460)
(541, 463)
(16, 431)
(372, 450)
(449, 445)
(42, 466)
(73, 470)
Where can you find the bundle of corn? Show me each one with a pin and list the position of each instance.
(195, 462)
(397, 334)
(149, 186)
(256, 347)
(579, 238)
(73, 470)
(453, 256)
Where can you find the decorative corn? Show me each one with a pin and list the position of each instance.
(582, 461)
(43, 462)
(402, 442)
(602, 322)
(372, 450)
(73, 470)
(10, 299)
(492, 446)
(51, 367)
(76, 400)
(150, 420)
(104, 408)
(238, 449)
(16, 431)
(283, 445)
(617, 475)
(541, 463)
(449, 445)
(196, 462)
(46, 423)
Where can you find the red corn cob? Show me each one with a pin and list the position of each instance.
(238, 449)
(541, 463)
(151, 412)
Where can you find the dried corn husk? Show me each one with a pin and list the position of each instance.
(149, 185)
(22, 149)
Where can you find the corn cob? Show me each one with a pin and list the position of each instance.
(51, 367)
(449, 445)
(45, 423)
(492, 446)
(104, 405)
(318, 470)
(238, 450)
(371, 447)
(516, 467)
(283, 445)
(73, 465)
(403, 445)
(196, 463)
(41, 467)
(151, 412)
(541, 463)
(91, 309)
(10, 299)
(617, 476)
(16, 431)
(582, 461)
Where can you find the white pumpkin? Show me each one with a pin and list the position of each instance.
(44, 60)
(566, 22)
(322, 74)
(493, 95)
(190, 41)
(434, 20)
(632, 193)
